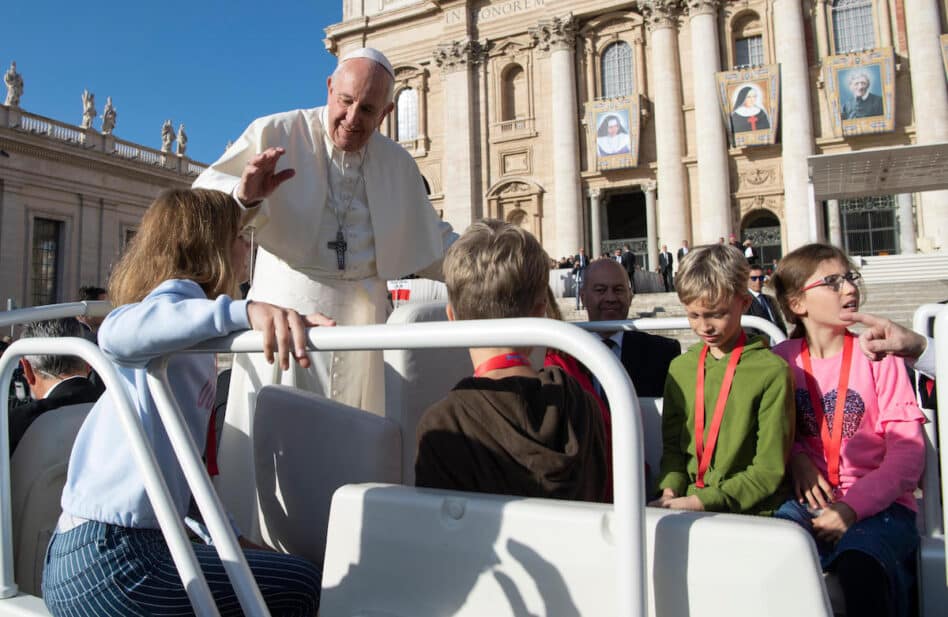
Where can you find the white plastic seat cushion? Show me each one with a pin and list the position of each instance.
(400, 551)
(305, 447)
(37, 477)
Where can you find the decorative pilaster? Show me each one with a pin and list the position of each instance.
(835, 229)
(713, 172)
(648, 187)
(801, 221)
(930, 102)
(907, 243)
(674, 220)
(558, 36)
(456, 60)
(595, 222)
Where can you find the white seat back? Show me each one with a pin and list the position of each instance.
(305, 447)
(652, 435)
(37, 477)
(415, 379)
(400, 551)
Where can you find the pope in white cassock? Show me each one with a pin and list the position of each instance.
(337, 209)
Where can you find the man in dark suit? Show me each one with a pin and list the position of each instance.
(55, 381)
(762, 304)
(580, 261)
(628, 263)
(862, 104)
(646, 357)
(682, 251)
(665, 267)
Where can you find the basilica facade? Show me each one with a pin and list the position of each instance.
(597, 123)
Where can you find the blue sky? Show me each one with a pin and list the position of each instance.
(214, 65)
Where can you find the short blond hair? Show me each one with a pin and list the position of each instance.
(714, 274)
(496, 270)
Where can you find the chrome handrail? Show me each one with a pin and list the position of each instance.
(922, 322)
(941, 369)
(627, 451)
(95, 308)
(678, 323)
(168, 519)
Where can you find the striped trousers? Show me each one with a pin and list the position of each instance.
(98, 569)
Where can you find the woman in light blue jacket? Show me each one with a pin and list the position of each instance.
(108, 556)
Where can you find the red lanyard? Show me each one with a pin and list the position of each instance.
(505, 360)
(831, 441)
(704, 454)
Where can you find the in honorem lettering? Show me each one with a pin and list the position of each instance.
(498, 11)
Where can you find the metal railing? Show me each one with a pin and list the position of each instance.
(922, 322)
(678, 323)
(54, 311)
(941, 367)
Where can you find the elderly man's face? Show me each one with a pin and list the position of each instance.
(357, 103)
(859, 87)
(606, 292)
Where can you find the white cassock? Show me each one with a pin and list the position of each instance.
(390, 229)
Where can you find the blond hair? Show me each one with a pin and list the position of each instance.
(714, 274)
(185, 234)
(794, 271)
(496, 270)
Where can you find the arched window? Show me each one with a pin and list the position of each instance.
(748, 39)
(407, 105)
(617, 70)
(852, 25)
(514, 104)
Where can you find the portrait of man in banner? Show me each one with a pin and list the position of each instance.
(860, 92)
(612, 134)
(747, 109)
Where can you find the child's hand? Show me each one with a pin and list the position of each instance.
(808, 483)
(285, 328)
(662, 502)
(833, 522)
(691, 503)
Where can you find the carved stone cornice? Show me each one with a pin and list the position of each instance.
(458, 55)
(702, 7)
(660, 14)
(555, 33)
(649, 186)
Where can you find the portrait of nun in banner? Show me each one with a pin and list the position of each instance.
(612, 136)
(747, 113)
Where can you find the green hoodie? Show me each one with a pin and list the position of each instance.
(747, 470)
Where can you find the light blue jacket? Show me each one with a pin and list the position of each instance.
(103, 483)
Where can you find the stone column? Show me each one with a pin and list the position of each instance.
(885, 26)
(930, 103)
(595, 223)
(460, 201)
(648, 187)
(795, 118)
(907, 244)
(834, 223)
(822, 31)
(674, 221)
(713, 172)
(558, 35)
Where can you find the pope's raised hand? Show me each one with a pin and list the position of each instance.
(260, 178)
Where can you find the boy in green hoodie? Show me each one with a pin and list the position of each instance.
(728, 412)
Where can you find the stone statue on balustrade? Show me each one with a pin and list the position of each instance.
(167, 136)
(14, 83)
(182, 140)
(108, 117)
(88, 109)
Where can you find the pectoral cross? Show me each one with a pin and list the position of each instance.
(339, 246)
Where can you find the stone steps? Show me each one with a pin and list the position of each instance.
(904, 268)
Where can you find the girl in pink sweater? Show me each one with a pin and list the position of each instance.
(857, 457)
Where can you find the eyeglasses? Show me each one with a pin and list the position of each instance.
(760, 278)
(835, 281)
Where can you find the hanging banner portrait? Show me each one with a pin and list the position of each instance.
(750, 100)
(860, 88)
(614, 129)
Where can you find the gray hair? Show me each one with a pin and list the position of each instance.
(858, 74)
(390, 80)
(55, 328)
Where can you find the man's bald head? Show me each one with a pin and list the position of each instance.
(360, 96)
(606, 292)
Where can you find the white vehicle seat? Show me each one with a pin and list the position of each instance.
(37, 477)
(401, 551)
(305, 447)
(415, 379)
